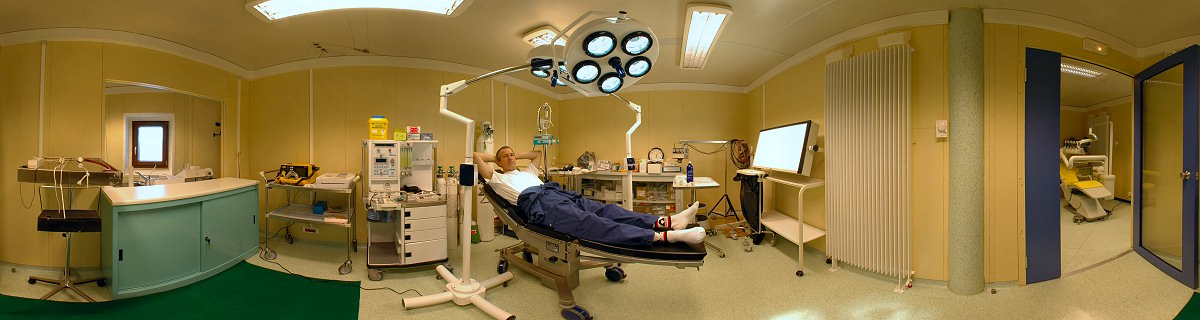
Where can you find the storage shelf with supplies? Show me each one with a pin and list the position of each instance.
(304, 213)
(653, 192)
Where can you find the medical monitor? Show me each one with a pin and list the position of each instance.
(785, 148)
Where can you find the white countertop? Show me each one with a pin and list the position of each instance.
(698, 183)
(124, 196)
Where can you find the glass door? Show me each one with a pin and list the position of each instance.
(1165, 164)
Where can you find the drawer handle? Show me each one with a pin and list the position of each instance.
(407, 214)
(121, 255)
(407, 237)
(407, 226)
(206, 239)
(408, 254)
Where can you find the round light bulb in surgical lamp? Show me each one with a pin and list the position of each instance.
(610, 83)
(636, 43)
(539, 73)
(637, 67)
(586, 71)
(599, 44)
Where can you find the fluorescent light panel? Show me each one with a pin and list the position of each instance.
(704, 24)
(279, 9)
(1079, 71)
(542, 36)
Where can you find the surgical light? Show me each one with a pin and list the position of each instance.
(599, 44)
(279, 9)
(610, 82)
(704, 24)
(586, 71)
(637, 67)
(540, 73)
(1079, 71)
(636, 43)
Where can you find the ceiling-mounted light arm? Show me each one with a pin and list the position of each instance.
(455, 87)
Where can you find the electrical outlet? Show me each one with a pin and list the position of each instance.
(311, 229)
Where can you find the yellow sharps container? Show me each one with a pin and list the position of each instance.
(378, 128)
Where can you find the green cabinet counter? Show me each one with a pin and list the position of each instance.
(157, 238)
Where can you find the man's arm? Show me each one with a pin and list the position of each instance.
(481, 164)
(534, 156)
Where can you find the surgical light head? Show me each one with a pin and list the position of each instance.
(601, 56)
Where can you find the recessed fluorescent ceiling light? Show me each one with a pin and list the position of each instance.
(704, 24)
(1079, 71)
(542, 36)
(279, 9)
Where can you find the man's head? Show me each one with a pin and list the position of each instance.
(506, 158)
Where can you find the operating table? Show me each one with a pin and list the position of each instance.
(561, 256)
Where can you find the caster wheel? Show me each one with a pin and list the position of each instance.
(31, 281)
(502, 267)
(721, 254)
(448, 266)
(772, 242)
(505, 284)
(269, 255)
(828, 260)
(746, 241)
(576, 313)
(289, 239)
(614, 274)
(749, 248)
(101, 283)
(374, 274)
(355, 245)
(799, 273)
(528, 256)
(733, 235)
(345, 268)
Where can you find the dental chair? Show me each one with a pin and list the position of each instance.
(561, 256)
(1083, 192)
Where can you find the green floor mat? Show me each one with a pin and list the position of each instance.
(245, 291)
(1192, 309)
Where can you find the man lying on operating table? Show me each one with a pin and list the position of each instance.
(568, 212)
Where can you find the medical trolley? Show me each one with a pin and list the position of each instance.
(304, 213)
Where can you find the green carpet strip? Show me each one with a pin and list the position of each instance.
(1192, 309)
(245, 291)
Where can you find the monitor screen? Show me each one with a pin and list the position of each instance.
(782, 148)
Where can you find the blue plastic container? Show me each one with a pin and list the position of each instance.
(320, 207)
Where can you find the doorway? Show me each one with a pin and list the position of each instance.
(1095, 164)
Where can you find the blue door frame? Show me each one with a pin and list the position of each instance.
(1043, 233)
(1191, 101)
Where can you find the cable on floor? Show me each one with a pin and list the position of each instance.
(262, 251)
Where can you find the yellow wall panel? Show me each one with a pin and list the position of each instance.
(75, 124)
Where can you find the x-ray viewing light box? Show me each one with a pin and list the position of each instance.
(785, 148)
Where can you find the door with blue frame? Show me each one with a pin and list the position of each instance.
(1165, 147)
(1042, 94)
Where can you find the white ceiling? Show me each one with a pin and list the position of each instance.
(487, 33)
(1081, 93)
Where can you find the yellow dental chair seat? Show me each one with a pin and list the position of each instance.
(1086, 209)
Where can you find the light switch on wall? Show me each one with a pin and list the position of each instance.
(942, 129)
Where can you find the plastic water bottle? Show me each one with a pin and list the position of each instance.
(689, 173)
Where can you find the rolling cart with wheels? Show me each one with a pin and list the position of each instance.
(303, 213)
(386, 240)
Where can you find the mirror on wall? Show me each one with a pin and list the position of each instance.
(158, 135)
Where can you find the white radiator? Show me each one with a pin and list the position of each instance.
(867, 173)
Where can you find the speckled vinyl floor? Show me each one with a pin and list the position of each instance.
(744, 285)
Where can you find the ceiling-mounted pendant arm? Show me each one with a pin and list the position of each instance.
(455, 87)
